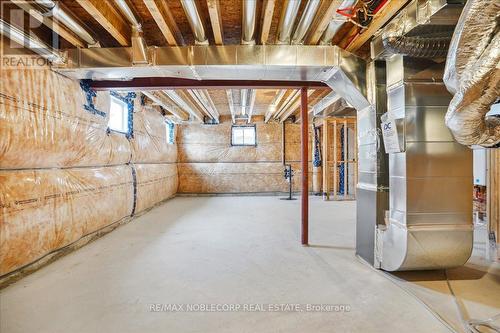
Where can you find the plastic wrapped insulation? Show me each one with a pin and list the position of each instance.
(44, 210)
(472, 74)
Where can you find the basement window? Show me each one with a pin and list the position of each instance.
(243, 136)
(118, 116)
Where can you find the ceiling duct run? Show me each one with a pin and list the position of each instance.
(472, 74)
(340, 70)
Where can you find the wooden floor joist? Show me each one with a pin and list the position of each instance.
(381, 18)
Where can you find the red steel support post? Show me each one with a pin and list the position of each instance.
(305, 165)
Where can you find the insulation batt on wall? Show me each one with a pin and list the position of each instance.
(62, 176)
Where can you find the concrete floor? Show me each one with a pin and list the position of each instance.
(233, 250)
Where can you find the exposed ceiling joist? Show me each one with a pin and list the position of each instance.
(290, 95)
(55, 25)
(109, 19)
(267, 18)
(181, 99)
(381, 18)
(216, 21)
(160, 99)
(294, 105)
(163, 17)
(274, 104)
(320, 27)
(204, 102)
(230, 102)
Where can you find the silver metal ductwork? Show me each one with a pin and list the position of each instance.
(473, 74)
(139, 46)
(195, 21)
(422, 29)
(372, 190)
(30, 42)
(249, 16)
(342, 71)
(58, 13)
(429, 223)
(287, 20)
(305, 21)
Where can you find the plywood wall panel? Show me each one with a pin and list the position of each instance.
(209, 164)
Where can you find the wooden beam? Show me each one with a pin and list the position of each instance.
(104, 13)
(54, 25)
(215, 19)
(160, 99)
(273, 107)
(381, 18)
(320, 27)
(267, 18)
(165, 20)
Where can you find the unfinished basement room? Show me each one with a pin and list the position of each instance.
(250, 166)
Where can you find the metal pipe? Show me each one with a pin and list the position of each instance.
(305, 21)
(182, 104)
(243, 101)
(249, 14)
(158, 99)
(286, 22)
(30, 42)
(61, 15)
(304, 139)
(251, 102)
(204, 100)
(336, 22)
(274, 104)
(229, 94)
(125, 9)
(195, 21)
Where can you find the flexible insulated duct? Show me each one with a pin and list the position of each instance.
(396, 40)
(419, 47)
(472, 74)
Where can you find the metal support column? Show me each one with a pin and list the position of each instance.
(305, 165)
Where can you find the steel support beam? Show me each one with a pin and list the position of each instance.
(162, 83)
(304, 139)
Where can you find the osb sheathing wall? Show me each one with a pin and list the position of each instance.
(62, 176)
(209, 164)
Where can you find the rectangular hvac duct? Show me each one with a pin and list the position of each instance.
(429, 223)
(372, 192)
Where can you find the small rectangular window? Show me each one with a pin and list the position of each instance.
(243, 136)
(118, 116)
